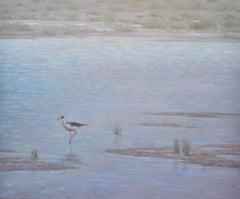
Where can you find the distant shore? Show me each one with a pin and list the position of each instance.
(158, 35)
(186, 20)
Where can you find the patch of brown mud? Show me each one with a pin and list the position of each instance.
(198, 155)
(8, 151)
(21, 163)
(165, 124)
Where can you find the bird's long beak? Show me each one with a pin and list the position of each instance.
(58, 118)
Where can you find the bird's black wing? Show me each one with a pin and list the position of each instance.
(75, 124)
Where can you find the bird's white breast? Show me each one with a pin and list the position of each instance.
(69, 127)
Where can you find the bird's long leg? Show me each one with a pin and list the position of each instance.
(74, 133)
(71, 136)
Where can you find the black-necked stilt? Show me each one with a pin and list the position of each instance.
(71, 127)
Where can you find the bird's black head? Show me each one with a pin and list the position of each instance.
(60, 118)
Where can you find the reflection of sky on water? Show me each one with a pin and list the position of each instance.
(109, 82)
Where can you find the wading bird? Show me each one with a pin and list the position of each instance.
(71, 127)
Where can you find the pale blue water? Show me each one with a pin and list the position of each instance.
(109, 82)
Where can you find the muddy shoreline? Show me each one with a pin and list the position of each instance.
(156, 35)
(206, 155)
(215, 155)
(17, 163)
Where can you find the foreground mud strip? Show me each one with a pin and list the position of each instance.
(219, 155)
(20, 163)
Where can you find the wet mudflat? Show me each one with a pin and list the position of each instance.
(198, 155)
(21, 163)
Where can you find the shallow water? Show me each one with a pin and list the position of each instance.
(154, 91)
